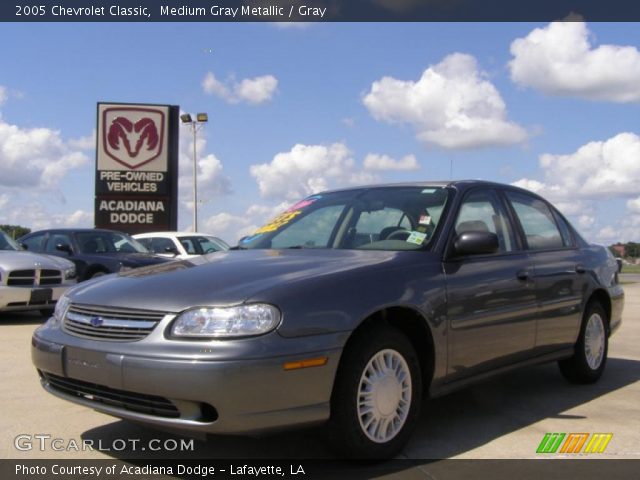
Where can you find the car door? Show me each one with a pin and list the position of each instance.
(560, 275)
(491, 301)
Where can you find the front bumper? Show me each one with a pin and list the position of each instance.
(210, 395)
(14, 299)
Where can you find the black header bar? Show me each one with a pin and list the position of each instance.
(316, 10)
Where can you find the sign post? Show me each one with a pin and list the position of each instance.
(137, 167)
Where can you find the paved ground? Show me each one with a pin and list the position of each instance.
(504, 418)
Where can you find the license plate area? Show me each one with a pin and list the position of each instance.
(40, 296)
(91, 366)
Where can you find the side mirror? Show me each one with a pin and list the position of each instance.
(63, 247)
(172, 250)
(476, 243)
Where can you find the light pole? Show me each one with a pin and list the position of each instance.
(195, 125)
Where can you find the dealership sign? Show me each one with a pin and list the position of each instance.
(136, 167)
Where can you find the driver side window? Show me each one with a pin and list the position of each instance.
(481, 212)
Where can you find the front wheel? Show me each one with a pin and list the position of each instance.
(590, 357)
(376, 397)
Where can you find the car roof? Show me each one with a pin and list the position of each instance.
(457, 184)
(172, 234)
(76, 230)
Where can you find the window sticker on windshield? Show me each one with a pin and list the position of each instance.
(251, 238)
(286, 216)
(425, 220)
(278, 222)
(416, 238)
(303, 203)
(429, 190)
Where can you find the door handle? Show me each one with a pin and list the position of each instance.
(523, 274)
(580, 268)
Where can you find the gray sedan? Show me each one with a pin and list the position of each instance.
(29, 281)
(348, 309)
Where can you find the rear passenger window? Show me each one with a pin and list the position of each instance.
(537, 222)
(567, 237)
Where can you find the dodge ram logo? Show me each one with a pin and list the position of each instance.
(133, 136)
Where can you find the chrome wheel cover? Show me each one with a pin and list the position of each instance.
(384, 396)
(594, 340)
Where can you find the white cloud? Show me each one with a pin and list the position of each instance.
(212, 182)
(607, 235)
(253, 91)
(211, 179)
(307, 169)
(560, 59)
(232, 227)
(634, 205)
(600, 170)
(374, 161)
(452, 105)
(349, 122)
(84, 143)
(37, 216)
(36, 157)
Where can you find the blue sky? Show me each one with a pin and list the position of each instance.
(570, 96)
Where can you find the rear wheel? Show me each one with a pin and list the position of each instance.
(590, 356)
(376, 397)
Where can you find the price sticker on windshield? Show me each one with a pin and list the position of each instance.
(416, 237)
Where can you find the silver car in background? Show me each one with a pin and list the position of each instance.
(30, 281)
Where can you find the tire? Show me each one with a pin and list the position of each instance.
(97, 274)
(394, 399)
(590, 356)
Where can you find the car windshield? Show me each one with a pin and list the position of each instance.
(8, 243)
(108, 242)
(381, 218)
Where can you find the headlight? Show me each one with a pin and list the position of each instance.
(70, 273)
(226, 322)
(62, 305)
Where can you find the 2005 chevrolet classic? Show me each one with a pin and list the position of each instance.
(349, 308)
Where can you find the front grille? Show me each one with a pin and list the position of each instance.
(134, 402)
(31, 278)
(110, 324)
(21, 278)
(50, 277)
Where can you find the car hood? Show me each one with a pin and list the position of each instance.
(222, 278)
(129, 259)
(19, 260)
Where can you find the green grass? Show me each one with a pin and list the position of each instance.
(631, 269)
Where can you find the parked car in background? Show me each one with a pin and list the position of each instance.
(347, 309)
(29, 281)
(95, 252)
(181, 245)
